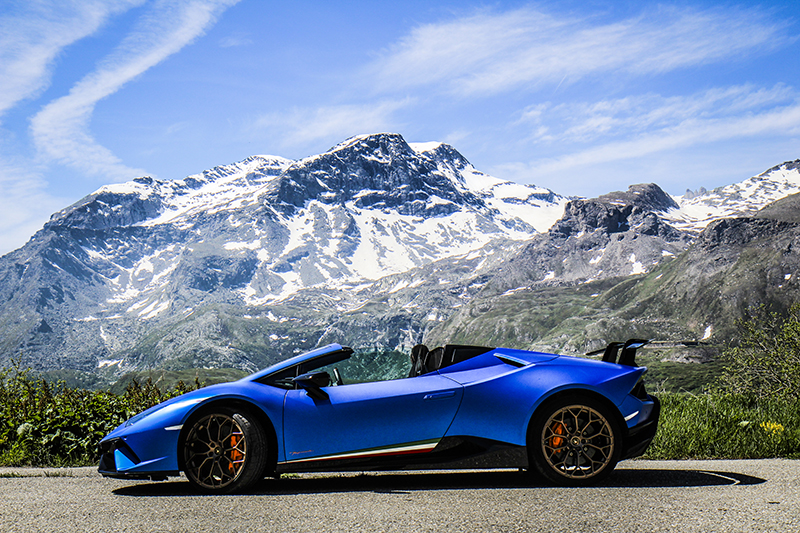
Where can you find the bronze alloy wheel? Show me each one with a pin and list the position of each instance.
(215, 451)
(578, 442)
(225, 450)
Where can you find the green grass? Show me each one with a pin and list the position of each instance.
(673, 377)
(726, 426)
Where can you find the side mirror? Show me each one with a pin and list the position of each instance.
(313, 382)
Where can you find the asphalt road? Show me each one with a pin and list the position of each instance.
(641, 496)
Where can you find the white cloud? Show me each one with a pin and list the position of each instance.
(32, 33)
(489, 53)
(25, 204)
(235, 40)
(631, 128)
(688, 133)
(637, 114)
(61, 129)
(300, 127)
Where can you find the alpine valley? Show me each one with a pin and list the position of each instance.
(381, 244)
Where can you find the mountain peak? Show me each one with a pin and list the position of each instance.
(786, 166)
(384, 141)
(647, 196)
(376, 171)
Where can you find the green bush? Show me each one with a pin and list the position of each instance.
(766, 361)
(753, 411)
(42, 424)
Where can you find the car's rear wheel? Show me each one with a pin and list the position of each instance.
(224, 451)
(574, 441)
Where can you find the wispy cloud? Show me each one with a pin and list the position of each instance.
(32, 33)
(25, 204)
(581, 122)
(32, 36)
(635, 127)
(61, 130)
(235, 40)
(688, 133)
(300, 127)
(489, 53)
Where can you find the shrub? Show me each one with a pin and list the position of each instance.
(766, 363)
(42, 424)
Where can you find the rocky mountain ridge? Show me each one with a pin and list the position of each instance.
(733, 267)
(376, 243)
(698, 209)
(266, 241)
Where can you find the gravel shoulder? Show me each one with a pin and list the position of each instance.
(702, 496)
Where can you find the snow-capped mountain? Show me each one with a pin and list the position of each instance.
(619, 234)
(368, 208)
(376, 242)
(696, 210)
(139, 255)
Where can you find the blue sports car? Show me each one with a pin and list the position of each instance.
(568, 419)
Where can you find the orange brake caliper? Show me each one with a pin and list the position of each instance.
(558, 429)
(236, 453)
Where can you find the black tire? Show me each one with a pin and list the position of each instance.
(225, 450)
(574, 441)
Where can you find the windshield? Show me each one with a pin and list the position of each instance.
(370, 365)
(346, 367)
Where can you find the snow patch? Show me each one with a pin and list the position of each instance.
(153, 310)
(637, 266)
(235, 246)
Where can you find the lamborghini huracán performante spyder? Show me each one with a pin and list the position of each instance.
(568, 419)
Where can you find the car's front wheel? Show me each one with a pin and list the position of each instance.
(224, 451)
(574, 441)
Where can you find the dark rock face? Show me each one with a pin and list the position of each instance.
(618, 234)
(647, 197)
(376, 172)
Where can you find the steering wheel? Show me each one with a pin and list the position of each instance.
(337, 377)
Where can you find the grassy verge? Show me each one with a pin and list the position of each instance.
(726, 426)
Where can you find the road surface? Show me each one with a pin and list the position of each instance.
(641, 496)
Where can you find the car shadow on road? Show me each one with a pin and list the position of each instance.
(408, 482)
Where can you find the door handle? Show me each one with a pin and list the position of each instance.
(439, 395)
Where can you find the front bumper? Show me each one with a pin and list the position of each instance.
(117, 460)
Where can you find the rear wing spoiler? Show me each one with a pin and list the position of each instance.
(629, 347)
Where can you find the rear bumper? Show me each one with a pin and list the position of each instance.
(641, 435)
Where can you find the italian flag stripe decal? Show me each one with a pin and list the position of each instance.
(402, 449)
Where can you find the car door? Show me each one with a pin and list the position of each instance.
(365, 420)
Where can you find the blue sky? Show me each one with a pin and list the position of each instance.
(582, 97)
